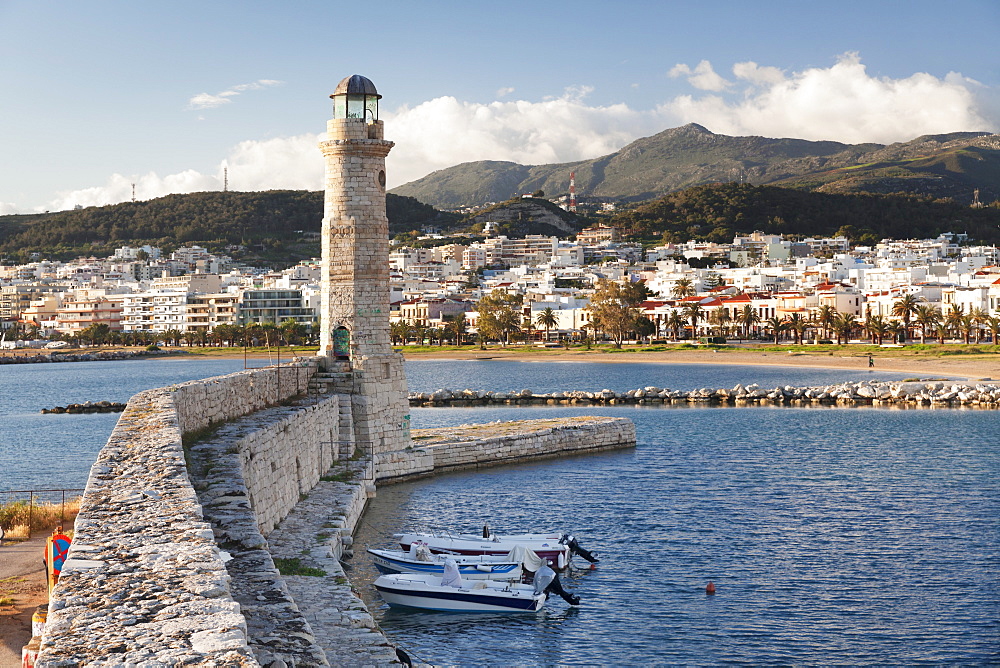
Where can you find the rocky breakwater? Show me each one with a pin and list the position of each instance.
(101, 356)
(87, 407)
(928, 393)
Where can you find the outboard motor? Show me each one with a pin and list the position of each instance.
(547, 581)
(575, 548)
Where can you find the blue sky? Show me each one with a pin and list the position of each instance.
(99, 95)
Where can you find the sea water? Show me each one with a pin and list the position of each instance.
(832, 535)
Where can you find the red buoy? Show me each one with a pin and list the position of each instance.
(710, 589)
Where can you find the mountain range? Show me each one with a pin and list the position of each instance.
(942, 166)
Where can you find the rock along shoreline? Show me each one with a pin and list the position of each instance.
(100, 356)
(872, 393)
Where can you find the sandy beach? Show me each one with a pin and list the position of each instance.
(968, 367)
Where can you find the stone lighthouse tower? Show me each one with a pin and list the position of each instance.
(354, 313)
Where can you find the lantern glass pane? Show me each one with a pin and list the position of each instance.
(371, 108)
(340, 106)
(355, 106)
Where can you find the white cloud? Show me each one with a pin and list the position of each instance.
(841, 102)
(702, 77)
(753, 73)
(210, 101)
(8, 208)
(504, 92)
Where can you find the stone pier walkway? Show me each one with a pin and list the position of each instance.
(312, 533)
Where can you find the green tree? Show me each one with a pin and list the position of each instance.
(613, 308)
(776, 325)
(844, 325)
(926, 317)
(499, 315)
(905, 308)
(547, 318)
(748, 318)
(692, 313)
(682, 288)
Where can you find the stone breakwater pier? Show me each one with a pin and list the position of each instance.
(931, 393)
(215, 519)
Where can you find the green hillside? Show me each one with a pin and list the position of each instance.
(719, 212)
(273, 225)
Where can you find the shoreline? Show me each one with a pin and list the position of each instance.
(968, 367)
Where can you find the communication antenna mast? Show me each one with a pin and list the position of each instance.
(225, 179)
(976, 204)
(572, 192)
(133, 193)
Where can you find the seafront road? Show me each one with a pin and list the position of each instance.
(22, 578)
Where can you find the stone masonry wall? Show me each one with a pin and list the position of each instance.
(473, 446)
(144, 582)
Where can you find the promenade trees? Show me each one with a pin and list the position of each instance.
(926, 317)
(797, 325)
(692, 312)
(877, 328)
(547, 318)
(825, 316)
(748, 318)
(613, 308)
(456, 326)
(499, 315)
(675, 322)
(776, 325)
(904, 308)
(844, 325)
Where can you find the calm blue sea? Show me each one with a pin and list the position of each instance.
(834, 536)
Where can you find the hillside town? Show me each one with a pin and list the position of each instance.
(758, 286)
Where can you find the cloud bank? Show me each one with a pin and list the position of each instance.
(841, 102)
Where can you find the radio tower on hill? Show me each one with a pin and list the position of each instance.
(572, 192)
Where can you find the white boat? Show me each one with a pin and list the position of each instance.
(554, 547)
(419, 559)
(427, 592)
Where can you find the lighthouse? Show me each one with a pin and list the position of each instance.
(354, 310)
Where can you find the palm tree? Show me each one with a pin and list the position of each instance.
(693, 312)
(993, 324)
(682, 288)
(926, 317)
(844, 325)
(903, 308)
(456, 327)
(979, 317)
(966, 325)
(748, 317)
(798, 325)
(547, 318)
(953, 318)
(776, 325)
(399, 331)
(675, 321)
(825, 317)
(877, 328)
(720, 319)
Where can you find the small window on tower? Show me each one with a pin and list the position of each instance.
(381, 178)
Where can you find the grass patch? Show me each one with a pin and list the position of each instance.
(341, 476)
(293, 566)
(6, 600)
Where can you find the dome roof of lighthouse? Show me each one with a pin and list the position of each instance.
(356, 85)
